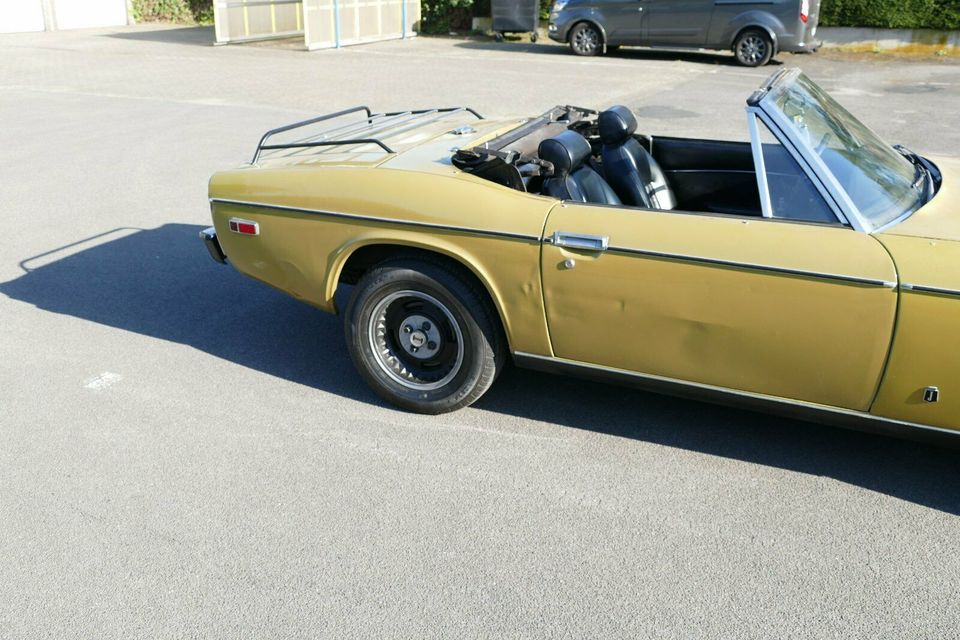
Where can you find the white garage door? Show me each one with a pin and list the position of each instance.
(244, 20)
(20, 15)
(78, 14)
(335, 23)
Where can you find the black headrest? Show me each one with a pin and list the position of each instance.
(565, 151)
(616, 124)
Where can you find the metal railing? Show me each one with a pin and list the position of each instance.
(383, 124)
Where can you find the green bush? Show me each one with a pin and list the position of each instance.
(892, 14)
(182, 11)
(442, 16)
(545, 10)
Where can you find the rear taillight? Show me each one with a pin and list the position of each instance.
(804, 10)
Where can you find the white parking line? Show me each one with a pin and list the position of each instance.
(102, 381)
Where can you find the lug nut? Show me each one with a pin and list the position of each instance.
(414, 349)
(425, 326)
(431, 345)
(407, 328)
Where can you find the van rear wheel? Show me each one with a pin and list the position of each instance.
(753, 48)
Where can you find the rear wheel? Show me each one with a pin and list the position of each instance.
(586, 40)
(753, 48)
(422, 336)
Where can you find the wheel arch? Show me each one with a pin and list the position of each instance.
(757, 26)
(591, 21)
(355, 259)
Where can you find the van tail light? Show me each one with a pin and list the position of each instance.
(804, 10)
(244, 227)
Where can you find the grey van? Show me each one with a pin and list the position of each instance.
(755, 30)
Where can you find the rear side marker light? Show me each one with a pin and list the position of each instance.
(804, 10)
(244, 227)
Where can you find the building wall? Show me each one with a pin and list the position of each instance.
(21, 15)
(37, 15)
(80, 14)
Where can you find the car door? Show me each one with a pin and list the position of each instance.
(788, 309)
(622, 20)
(682, 23)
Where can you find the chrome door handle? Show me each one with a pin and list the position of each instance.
(579, 241)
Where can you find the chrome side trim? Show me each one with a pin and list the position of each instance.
(857, 420)
(920, 288)
(886, 284)
(354, 216)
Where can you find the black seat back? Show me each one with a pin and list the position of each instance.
(571, 179)
(628, 167)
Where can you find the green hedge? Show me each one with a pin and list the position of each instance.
(442, 16)
(182, 11)
(892, 14)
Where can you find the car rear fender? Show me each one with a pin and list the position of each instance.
(590, 15)
(521, 330)
(748, 20)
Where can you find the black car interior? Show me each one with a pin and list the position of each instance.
(582, 155)
(571, 179)
(631, 170)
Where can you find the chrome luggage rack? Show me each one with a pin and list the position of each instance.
(358, 133)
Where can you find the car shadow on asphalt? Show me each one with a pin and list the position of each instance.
(622, 53)
(921, 473)
(161, 283)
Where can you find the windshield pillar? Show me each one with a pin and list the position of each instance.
(759, 164)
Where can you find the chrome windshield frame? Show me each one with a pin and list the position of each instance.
(754, 113)
(816, 168)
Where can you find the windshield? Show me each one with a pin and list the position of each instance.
(881, 183)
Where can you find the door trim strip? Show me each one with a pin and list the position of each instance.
(875, 282)
(809, 411)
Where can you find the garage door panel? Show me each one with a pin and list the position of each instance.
(243, 20)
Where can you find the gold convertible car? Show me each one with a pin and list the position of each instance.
(814, 269)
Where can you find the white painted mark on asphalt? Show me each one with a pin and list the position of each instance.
(851, 91)
(102, 381)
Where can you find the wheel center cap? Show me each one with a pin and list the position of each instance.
(418, 339)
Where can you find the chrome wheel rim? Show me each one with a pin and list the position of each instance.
(586, 39)
(415, 340)
(752, 49)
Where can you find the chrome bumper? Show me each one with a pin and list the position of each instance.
(209, 237)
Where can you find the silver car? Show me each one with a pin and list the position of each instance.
(754, 30)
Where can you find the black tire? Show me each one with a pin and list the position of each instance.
(586, 40)
(753, 48)
(498, 36)
(533, 37)
(423, 336)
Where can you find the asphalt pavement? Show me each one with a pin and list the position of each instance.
(188, 453)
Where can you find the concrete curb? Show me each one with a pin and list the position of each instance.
(886, 39)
